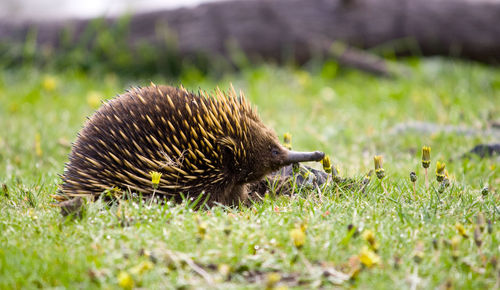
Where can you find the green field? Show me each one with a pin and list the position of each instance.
(349, 115)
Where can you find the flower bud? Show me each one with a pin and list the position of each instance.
(440, 171)
(287, 141)
(327, 165)
(461, 230)
(413, 176)
(298, 237)
(379, 171)
(485, 191)
(367, 177)
(426, 156)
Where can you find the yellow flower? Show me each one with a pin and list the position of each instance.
(224, 270)
(202, 230)
(155, 178)
(298, 237)
(141, 268)
(303, 226)
(327, 165)
(38, 145)
(379, 171)
(303, 77)
(461, 230)
(368, 257)
(125, 280)
(369, 236)
(49, 83)
(440, 171)
(94, 99)
(287, 141)
(426, 156)
(272, 279)
(455, 242)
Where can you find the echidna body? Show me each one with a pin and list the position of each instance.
(201, 144)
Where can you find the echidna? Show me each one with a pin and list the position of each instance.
(201, 144)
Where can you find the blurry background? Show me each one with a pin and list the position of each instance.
(52, 9)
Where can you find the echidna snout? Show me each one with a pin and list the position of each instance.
(280, 156)
(201, 144)
(295, 157)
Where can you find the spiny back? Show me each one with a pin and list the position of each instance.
(199, 143)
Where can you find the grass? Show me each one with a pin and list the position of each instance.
(347, 114)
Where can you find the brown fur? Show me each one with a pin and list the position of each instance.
(201, 144)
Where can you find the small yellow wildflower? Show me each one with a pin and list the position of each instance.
(125, 280)
(38, 145)
(224, 270)
(298, 237)
(272, 279)
(455, 242)
(49, 83)
(287, 141)
(202, 229)
(303, 77)
(440, 171)
(379, 171)
(327, 165)
(369, 236)
(155, 178)
(426, 156)
(141, 268)
(303, 226)
(94, 99)
(461, 230)
(368, 257)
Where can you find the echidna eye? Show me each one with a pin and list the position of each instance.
(275, 152)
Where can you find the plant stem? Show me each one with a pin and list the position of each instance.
(153, 197)
(426, 179)
(383, 186)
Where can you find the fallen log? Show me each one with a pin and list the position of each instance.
(301, 29)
